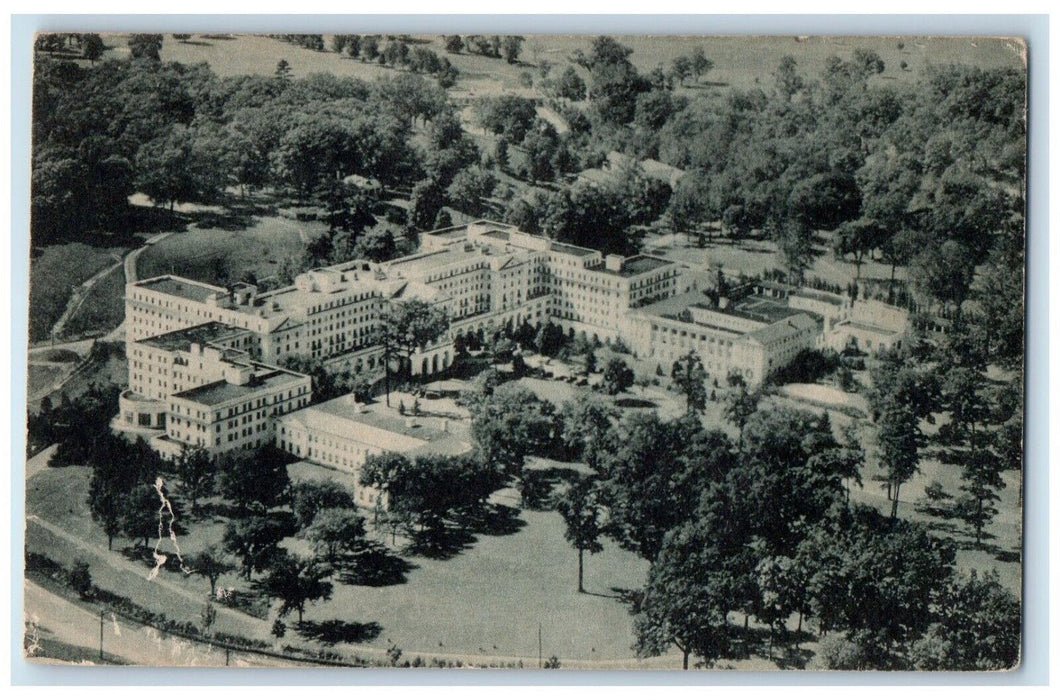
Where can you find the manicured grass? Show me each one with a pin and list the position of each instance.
(491, 598)
(52, 275)
(217, 255)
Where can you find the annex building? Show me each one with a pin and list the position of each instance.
(342, 434)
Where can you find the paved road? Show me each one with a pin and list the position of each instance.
(257, 628)
(53, 617)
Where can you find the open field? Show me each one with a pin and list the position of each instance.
(216, 255)
(53, 274)
(741, 62)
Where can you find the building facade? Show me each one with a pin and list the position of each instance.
(200, 387)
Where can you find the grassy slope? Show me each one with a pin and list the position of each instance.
(208, 254)
(740, 62)
(53, 273)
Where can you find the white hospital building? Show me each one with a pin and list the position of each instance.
(183, 335)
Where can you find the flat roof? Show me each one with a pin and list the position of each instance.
(572, 249)
(759, 308)
(436, 258)
(344, 409)
(672, 306)
(222, 392)
(185, 337)
(640, 264)
(181, 287)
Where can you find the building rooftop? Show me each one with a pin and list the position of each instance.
(786, 327)
(640, 264)
(180, 287)
(378, 426)
(184, 338)
(758, 308)
(573, 249)
(220, 392)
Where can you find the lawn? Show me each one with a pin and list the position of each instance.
(491, 598)
(217, 255)
(53, 273)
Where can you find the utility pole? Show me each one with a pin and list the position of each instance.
(539, 663)
(101, 611)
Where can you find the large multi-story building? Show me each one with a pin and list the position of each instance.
(484, 275)
(750, 337)
(200, 387)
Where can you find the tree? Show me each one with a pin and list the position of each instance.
(405, 328)
(682, 604)
(255, 480)
(701, 65)
(105, 504)
(336, 533)
(652, 476)
(369, 47)
(80, 579)
(690, 377)
(196, 472)
(92, 47)
(453, 43)
(618, 376)
(581, 513)
(614, 82)
(976, 627)
(795, 247)
(586, 427)
(511, 46)
(858, 239)
(211, 564)
(570, 85)
(428, 197)
(147, 46)
(308, 498)
(741, 405)
(141, 513)
(296, 582)
(470, 188)
(255, 541)
(899, 442)
(509, 425)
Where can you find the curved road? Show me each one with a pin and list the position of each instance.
(50, 616)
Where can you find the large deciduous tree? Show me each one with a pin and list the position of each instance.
(581, 514)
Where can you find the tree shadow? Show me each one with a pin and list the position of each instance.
(440, 543)
(227, 220)
(332, 632)
(496, 519)
(635, 403)
(375, 566)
